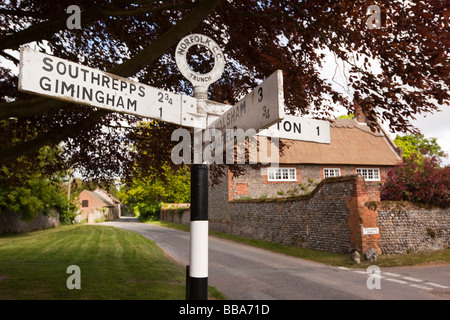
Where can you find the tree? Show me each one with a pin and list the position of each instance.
(137, 39)
(146, 193)
(418, 145)
(38, 193)
(346, 116)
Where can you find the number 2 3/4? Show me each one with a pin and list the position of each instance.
(163, 97)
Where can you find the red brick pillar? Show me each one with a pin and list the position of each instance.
(363, 214)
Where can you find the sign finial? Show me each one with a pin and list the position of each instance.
(199, 81)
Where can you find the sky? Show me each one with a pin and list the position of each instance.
(431, 125)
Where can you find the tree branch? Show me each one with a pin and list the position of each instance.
(39, 31)
(167, 40)
(126, 69)
(20, 149)
(35, 32)
(29, 107)
(6, 55)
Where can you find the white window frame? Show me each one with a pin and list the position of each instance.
(369, 174)
(281, 174)
(331, 172)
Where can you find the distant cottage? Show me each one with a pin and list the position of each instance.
(97, 205)
(353, 149)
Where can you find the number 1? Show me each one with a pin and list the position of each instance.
(318, 132)
(160, 112)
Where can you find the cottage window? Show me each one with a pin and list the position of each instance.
(369, 174)
(85, 203)
(281, 174)
(331, 172)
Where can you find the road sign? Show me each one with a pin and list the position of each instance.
(65, 80)
(259, 109)
(198, 80)
(54, 77)
(371, 231)
(299, 128)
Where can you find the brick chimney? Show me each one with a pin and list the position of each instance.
(358, 112)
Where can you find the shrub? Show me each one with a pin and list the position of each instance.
(418, 180)
(36, 195)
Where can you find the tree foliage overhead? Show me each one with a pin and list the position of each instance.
(138, 38)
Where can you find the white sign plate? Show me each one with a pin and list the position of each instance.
(259, 109)
(50, 76)
(371, 231)
(298, 128)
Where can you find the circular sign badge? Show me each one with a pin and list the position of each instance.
(198, 79)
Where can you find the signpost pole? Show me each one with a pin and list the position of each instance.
(198, 269)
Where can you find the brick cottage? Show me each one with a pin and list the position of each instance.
(97, 205)
(353, 149)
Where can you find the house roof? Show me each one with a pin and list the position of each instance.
(352, 143)
(103, 200)
(107, 195)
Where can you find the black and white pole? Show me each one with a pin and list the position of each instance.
(198, 268)
(197, 271)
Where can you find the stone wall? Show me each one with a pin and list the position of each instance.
(176, 212)
(409, 228)
(333, 217)
(12, 222)
(320, 220)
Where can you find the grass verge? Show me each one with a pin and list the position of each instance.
(114, 264)
(330, 258)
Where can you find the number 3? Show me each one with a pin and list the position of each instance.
(260, 92)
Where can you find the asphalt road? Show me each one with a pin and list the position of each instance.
(243, 272)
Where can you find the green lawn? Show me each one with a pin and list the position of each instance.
(114, 264)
